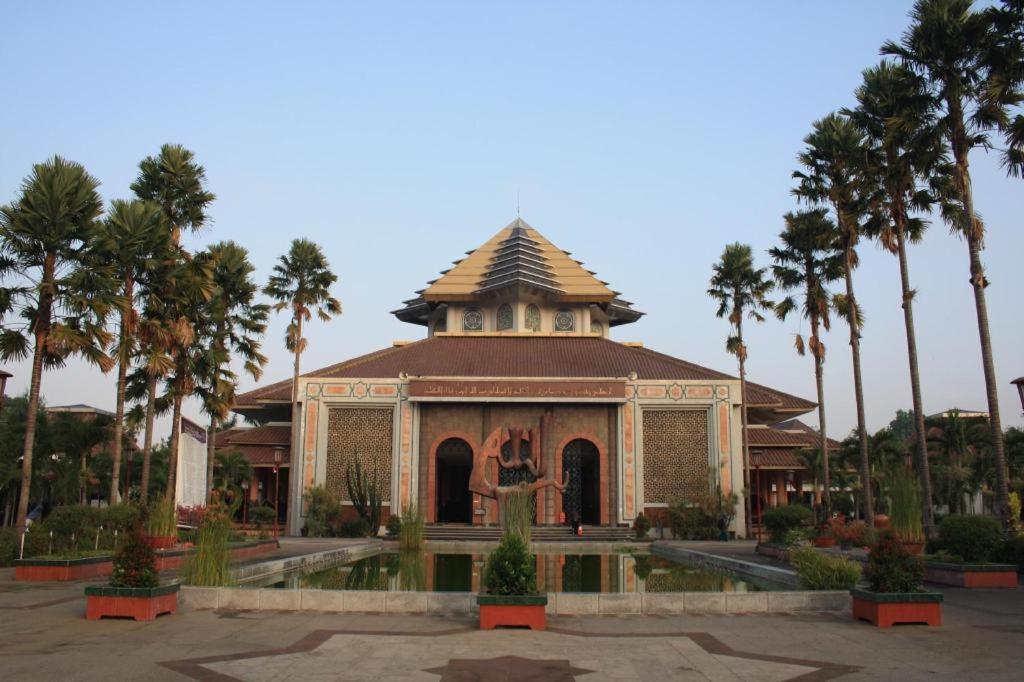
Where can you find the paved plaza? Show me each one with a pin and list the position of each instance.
(43, 635)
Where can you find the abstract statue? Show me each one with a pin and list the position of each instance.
(535, 462)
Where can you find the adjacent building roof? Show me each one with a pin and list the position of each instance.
(79, 408)
(517, 256)
(257, 443)
(777, 446)
(522, 357)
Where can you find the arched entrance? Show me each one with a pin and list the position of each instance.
(582, 497)
(454, 464)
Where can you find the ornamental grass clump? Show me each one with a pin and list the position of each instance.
(511, 569)
(410, 533)
(891, 568)
(905, 507)
(819, 571)
(134, 564)
(517, 512)
(210, 564)
(161, 519)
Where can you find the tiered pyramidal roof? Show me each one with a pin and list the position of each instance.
(518, 256)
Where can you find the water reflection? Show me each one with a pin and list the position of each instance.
(463, 572)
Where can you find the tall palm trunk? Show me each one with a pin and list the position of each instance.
(172, 457)
(147, 443)
(31, 417)
(858, 388)
(122, 379)
(747, 515)
(294, 459)
(42, 333)
(978, 282)
(819, 383)
(920, 447)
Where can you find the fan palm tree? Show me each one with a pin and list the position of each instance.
(975, 79)
(232, 469)
(174, 180)
(834, 161)
(301, 281)
(233, 325)
(896, 114)
(809, 260)
(55, 293)
(134, 234)
(741, 291)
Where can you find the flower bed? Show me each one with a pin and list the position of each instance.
(44, 570)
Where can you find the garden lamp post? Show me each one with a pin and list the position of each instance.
(245, 501)
(4, 376)
(278, 458)
(1019, 383)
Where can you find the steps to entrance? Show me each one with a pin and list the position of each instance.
(449, 532)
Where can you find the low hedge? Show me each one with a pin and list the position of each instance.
(780, 521)
(819, 571)
(974, 539)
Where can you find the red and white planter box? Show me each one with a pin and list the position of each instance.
(1003, 576)
(514, 610)
(140, 603)
(885, 609)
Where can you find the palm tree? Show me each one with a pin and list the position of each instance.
(808, 259)
(55, 293)
(896, 114)
(958, 445)
(970, 72)
(233, 468)
(301, 281)
(834, 162)
(234, 323)
(135, 234)
(741, 290)
(176, 182)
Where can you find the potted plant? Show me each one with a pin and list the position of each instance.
(641, 526)
(850, 534)
(161, 525)
(134, 590)
(511, 580)
(895, 593)
(825, 536)
(905, 506)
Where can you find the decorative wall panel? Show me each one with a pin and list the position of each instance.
(675, 447)
(364, 432)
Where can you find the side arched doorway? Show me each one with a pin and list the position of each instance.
(582, 497)
(454, 464)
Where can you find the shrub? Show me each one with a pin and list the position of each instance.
(1012, 552)
(161, 519)
(822, 572)
(124, 518)
(321, 508)
(410, 535)
(8, 546)
(891, 568)
(134, 564)
(511, 568)
(781, 520)
(849, 534)
(394, 525)
(641, 525)
(73, 527)
(353, 528)
(692, 523)
(261, 516)
(975, 539)
(843, 504)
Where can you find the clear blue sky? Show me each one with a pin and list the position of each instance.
(640, 136)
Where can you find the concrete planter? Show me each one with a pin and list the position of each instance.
(884, 609)
(515, 610)
(824, 541)
(140, 603)
(1003, 576)
(161, 541)
(780, 552)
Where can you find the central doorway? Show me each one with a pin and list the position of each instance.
(582, 497)
(454, 465)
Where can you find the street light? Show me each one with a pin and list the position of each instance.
(278, 458)
(1019, 382)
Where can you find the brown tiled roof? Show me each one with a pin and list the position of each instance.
(261, 435)
(259, 455)
(776, 458)
(222, 437)
(522, 357)
(766, 435)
